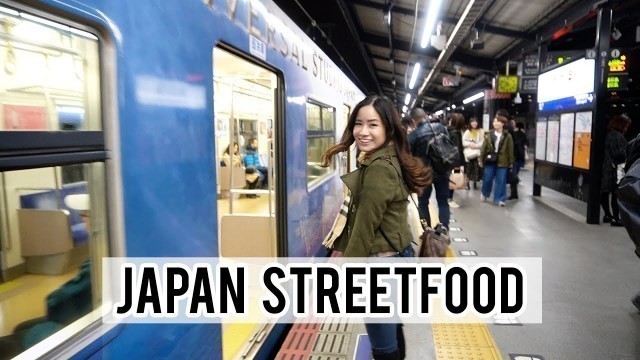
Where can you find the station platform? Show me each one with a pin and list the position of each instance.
(590, 273)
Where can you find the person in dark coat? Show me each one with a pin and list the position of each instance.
(629, 200)
(520, 144)
(615, 153)
(456, 128)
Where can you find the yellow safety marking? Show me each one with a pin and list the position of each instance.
(8, 286)
(462, 341)
(234, 337)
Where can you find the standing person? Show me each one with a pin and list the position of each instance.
(496, 157)
(456, 127)
(419, 143)
(377, 224)
(615, 153)
(520, 144)
(472, 141)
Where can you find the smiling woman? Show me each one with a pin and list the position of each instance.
(369, 131)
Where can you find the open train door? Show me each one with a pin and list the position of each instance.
(246, 112)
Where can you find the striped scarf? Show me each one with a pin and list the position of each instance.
(338, 224)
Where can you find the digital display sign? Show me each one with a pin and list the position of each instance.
(508, 84)
(567, 86)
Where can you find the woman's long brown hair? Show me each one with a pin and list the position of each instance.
(416, 175)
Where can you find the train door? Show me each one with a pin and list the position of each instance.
(245, 115)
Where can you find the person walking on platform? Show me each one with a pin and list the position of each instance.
(615, 154)
(418, 144)
(472, 141)
(456, 127)
(497, 158)
(520, 144)
(377, 223)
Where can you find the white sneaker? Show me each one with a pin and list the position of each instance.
(501, 203)
(453, 204)
(484, 198)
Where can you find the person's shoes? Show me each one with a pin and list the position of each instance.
(501, 204)
(467, 187)
(401, 343)
(453, 204)
(513, 197)
(389, 356)
(484, 198)
(616, 222)
(475, 185)
(606, 219)
(635, 300)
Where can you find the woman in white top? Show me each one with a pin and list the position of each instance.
(472, 141)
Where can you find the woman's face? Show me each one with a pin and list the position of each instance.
(235, 148)
(369, 130)
(497, 124)
(473, 124)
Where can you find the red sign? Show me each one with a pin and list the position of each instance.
(22, 117)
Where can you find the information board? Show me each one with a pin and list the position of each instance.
(541, 138)
(565, 154)
(553, 133)
(23, 117)
(582, 140)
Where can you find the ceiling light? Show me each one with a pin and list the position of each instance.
(475, 97)
(414, 75)
(430, 22)
(407, 99)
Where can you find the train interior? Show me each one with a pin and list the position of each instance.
(244, 106)
(49, 243)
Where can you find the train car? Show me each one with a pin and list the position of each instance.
(119, 123)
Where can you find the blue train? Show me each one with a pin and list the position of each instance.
(190, 128)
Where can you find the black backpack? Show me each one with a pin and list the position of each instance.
(442, 153)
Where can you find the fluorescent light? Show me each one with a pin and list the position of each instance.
(44, 21)
(407, 99)
(453, 106)
(414, 75)
(438, 113)
(9, 11)
(404, 109)
(448, 108)
(475, 97)
(432, 13)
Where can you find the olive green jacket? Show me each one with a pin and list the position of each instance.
(506, 155)
(378, 200)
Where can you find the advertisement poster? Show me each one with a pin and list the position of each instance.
(22, 117)
(541, 138)
(553, 133)
(582, 140)
(565, 154)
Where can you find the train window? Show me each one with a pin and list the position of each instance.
(53, 223)
(49, 73)
(320, 136)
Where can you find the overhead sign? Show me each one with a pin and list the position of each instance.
(450, 81)
(508, 84)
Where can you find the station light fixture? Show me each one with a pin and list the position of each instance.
(453, 106)
(414, 75)
(438, 113)
(430, 22)
(407, 99)
(473, 98)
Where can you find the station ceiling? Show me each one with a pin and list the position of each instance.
(377, 42)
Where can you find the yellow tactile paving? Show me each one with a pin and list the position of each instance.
(462, 341)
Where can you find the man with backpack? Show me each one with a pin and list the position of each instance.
(429, 141)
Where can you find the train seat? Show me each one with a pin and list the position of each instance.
(53, 237)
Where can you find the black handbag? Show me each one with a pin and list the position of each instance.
(491, 158)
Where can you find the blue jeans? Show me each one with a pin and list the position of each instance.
(492, 172)
(441, 184)
(382, 336)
